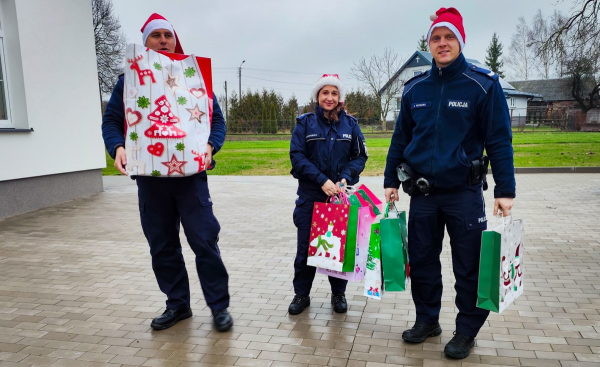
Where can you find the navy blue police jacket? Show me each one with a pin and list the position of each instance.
(113, 123)
(448, 116)
(323, 150)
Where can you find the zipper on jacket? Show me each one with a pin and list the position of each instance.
(436, 128)
(440, 72)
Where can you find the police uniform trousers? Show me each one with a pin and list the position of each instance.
(304, 274)
(463, 215)
(164, 204)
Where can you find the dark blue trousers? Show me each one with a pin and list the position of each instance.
(164, 204)
(304, 274)
(463, 214)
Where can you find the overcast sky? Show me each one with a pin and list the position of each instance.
(292, 43)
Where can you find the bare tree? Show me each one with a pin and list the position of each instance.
(521, 54)
(576, 38)
(539, 32)
(110, 44)
(379, 72)
(582, 23)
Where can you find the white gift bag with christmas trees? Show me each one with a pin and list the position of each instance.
(168, 109)
(501, 265)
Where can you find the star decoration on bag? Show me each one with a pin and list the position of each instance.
(174, 165)
(172, 83)
(195, 113)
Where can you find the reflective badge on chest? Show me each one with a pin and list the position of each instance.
(458, 104)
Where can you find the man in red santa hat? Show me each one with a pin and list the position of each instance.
(448, 116)
(166, 202)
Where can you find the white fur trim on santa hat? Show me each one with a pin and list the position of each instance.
(329, 80)
(154, 25)
(454, 30)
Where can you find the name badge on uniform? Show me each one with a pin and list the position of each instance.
(458, 104)
(420, 105)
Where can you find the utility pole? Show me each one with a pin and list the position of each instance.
(240, 77)
(226, 100)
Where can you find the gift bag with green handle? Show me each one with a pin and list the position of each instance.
(394, 249)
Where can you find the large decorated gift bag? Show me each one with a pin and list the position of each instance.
(501, 265)
(328, 233)
(394, 249)
(168, 110)
(355, 257)
(374, 272)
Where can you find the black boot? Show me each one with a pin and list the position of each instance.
(421, 331)
(222, 320)
(460, 346)
(298, 305)
(170, 318)
(339, 302)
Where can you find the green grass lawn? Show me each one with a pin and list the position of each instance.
(552, 149)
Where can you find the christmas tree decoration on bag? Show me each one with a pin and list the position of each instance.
(394, 249)
(355, 254)
(501, 265)
(168, 105)
(374, 285)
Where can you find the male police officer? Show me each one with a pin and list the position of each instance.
(448, 115)
(166, 202)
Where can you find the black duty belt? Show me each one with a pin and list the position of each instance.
(411, 182)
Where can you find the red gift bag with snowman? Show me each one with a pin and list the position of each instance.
(328, 232)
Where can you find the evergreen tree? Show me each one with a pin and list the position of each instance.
(492, 59)
(422, 45)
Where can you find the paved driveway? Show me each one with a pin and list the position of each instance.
(77, 289)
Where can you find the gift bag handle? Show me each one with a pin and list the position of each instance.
(340, 198)
(387, 208)
(501, 216)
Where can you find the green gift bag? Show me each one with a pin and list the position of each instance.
(394, 250)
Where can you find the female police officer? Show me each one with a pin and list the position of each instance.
(327, 146)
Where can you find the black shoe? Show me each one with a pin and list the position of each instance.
(460, 346)
(222, 320)
(298, 305)
(421, 331)
(170, 318)
(339, 303)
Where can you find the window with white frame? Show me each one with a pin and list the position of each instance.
(415, 73)
(512, 101)
(5, 121)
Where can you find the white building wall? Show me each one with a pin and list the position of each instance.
(405, 75)
(59, 78)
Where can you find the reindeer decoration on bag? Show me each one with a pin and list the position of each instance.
(141, 73)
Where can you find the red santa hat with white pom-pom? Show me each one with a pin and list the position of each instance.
(450, 18)
(157, 21)
(329, 79)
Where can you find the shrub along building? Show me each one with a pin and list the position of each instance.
(50, 117)
(421, 61)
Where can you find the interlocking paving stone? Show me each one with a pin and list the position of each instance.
(77, 288)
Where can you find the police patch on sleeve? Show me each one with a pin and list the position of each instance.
(365, 147)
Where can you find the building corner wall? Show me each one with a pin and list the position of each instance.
(32, 193)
